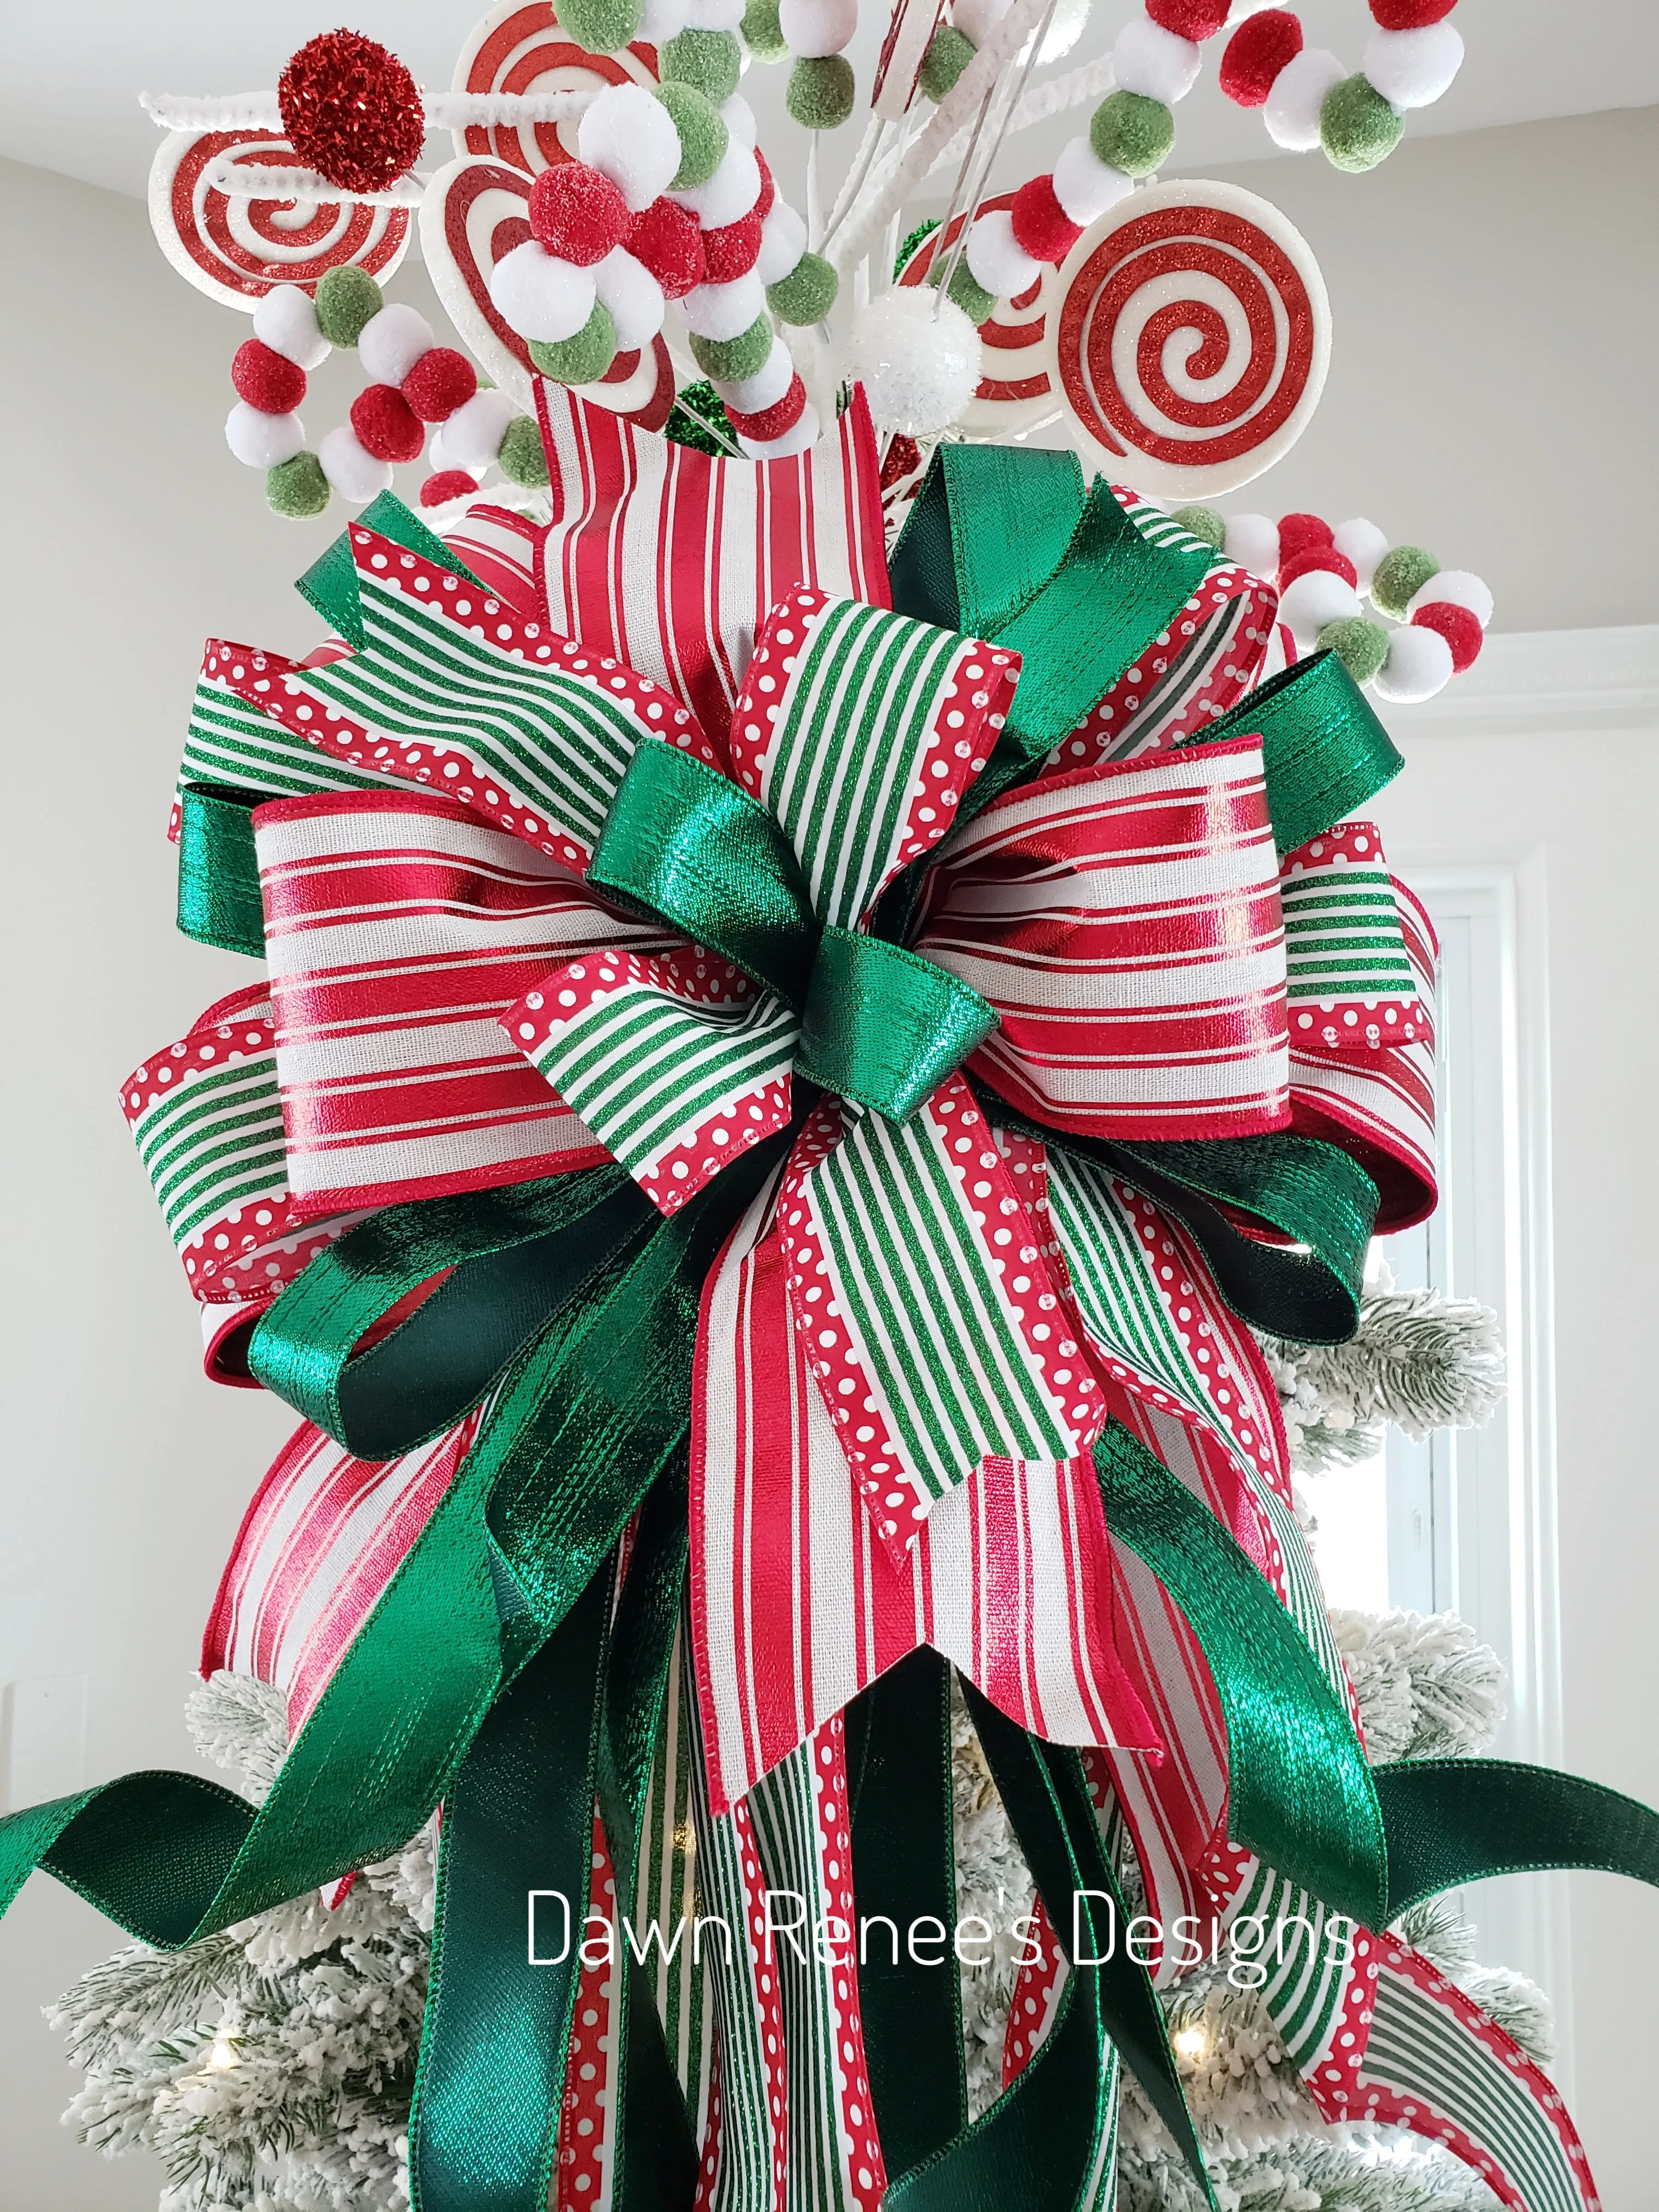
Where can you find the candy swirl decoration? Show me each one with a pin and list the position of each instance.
(1190, 338)
(1015, 393)
(521, 47)
(238, 250)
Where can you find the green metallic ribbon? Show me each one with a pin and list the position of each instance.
(219, 901)
(330, 585)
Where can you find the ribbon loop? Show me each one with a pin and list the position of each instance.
(219, 899)
(884, 1027)
(1326, 751)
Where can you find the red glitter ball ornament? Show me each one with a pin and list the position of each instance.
(440, 382)
(447, 484)
(1409, 15)
(266, 380)
(732, 250)
(666, 239)
(386, 425)
(1316, 556)
(1297, 532)
(577, 214)
(1189, 19)
(772, 422)
(1042, 226)
(351, 111)
(1461, 630)
(1257, 51)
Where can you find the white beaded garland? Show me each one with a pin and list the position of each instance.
(631, 296)
(351, 470)
(262, 440)
(1419, 664)
(1299, 91)
(1157, 64)
(1364, 545)
(996, 259)
(540, 297)
(631, 137)
(286, 321)
(814, 28)
(1412, 69)
(392, 341)
(1085, 186)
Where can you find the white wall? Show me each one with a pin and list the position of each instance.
(132, 534)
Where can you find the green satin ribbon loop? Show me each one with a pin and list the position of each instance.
(885, 1026)
(689, 846)
(219, 901)
(1300, 1793)
(1324, 749)
(510, 1258)
(1452, 1820)
(329, 584)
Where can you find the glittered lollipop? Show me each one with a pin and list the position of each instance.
(1015, 393)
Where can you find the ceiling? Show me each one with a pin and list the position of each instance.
(70, 75)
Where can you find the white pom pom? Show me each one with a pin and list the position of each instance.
(765, 387)
(540, 297)
(632, 296)
(1159, 65)
(1314, 599)
(783, 241)
(262, 440)
(722, 311)
(440, 459)
(472, 435)
(354, 472)
(1291, 114)
(1086, 186)
(977, 19)
(1411, 69)
(1363, 544)
(1419, 664)
(1253, 541)
(738, 117)
(996, 259)
(631, 137)
(918, 358)
(814, 28)
(713, 15)
(795, 439)
(1459, 586)
(392, 341)
(661, 21)
(729, 193)
(286, 321)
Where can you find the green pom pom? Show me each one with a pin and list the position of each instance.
(1133, 133)
(1400, 575)
(966, 291)
(949, 52)
(1361, 647)
(729, 361)
(822, 90)
(581, 359)
(702, 135)
(347, 298)
(522, 458)
(601, 27)
(1202, 523)
(297, 488)
(762, 33)
(1357, 126)
(709, 61)
(806, 293)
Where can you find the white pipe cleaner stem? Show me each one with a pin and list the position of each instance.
(456, 110)
(252, 180)
(230, 111)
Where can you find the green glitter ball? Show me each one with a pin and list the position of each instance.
(729, 361)
(949, 52)
(806, 293)
(601, 27)
(822, 90)
(1400, 575)
(522, 458)
(966, 291)
(347, 298)
(580, 359)
(1133, 133)
(1361, 647)
(702, 135)
(709, 61)
(762, 33)
(297, 488)
(1357, 126)
(1202, 523)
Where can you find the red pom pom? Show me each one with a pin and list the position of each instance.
(1461, 630)
(386, 425)
(772, 422)
(266, 380)
(1297, 532)
(768, 190)
(577, 214)
(666, 239)
(732, 250)
(1409, 15)
(1316, 556)
(350, 110)
(440, 382)
(1255, 53)
(447, 484)
(1189, 19)
(1042, 226)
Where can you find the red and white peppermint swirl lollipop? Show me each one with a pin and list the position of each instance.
(237, 249)
(520, 48)
(1015, 392)
(1190, 338)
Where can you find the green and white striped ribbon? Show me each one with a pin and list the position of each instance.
(668, 1892)
(228, 742)
(1342, 933)
(1304, 1985)
(213, 1141)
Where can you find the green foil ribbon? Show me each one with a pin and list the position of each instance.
(219, 901)
(330, 585)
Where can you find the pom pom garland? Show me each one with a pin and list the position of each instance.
(729, 361)
(540, 296)
(703, 138)
(1188, 19)
(771, 423)
(1309, 99)
(709, 61)
(386, 425)
(1357, 126)
(577, 214)
(949, 52)
(472, 435)
(1040, 225)
(1253, 541)
(1296, 99)
(1316, 556)
(1456, 587)
(733, 250)
(1258, 50)
(447, 484)
(1155, 64)
(1412, 69)
(1400, 575)
(260, 440)
(584, 355)
(286, 321)
(729, 194)
(806, 293)
(821, 92)
(724, 311)
(783, 241)
(1298, 532)
(347, 299)
(815, 28)
(1202, 523)
(762, 31)
(297, 488)
(601, 27)
(631, 138)
(1132, 133)
(1085, 186)
(1459, 628)
(665, 239)
(997, 258)
(351, 111)
(633, 298)
(1361, 647)
(354, 472)
(266, 380)
(391, 343)
(1418, 664)
(1314, 599)
(1409, 15)
(766, 387)
(440, 382)
(1365, 545)
(522, 458)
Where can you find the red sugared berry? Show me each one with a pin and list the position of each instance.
(447, 484)
(732, 250)
(1189, 19)
(772, 422)
(1042, 226)
(1297, 532)
(666, 239)
(1255, 53)
(577, 214)
(1316, 557)
(266, 380)
(386, 425)
(1409, 15)
(351, 111)
(1461, 630)
(440, 382)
